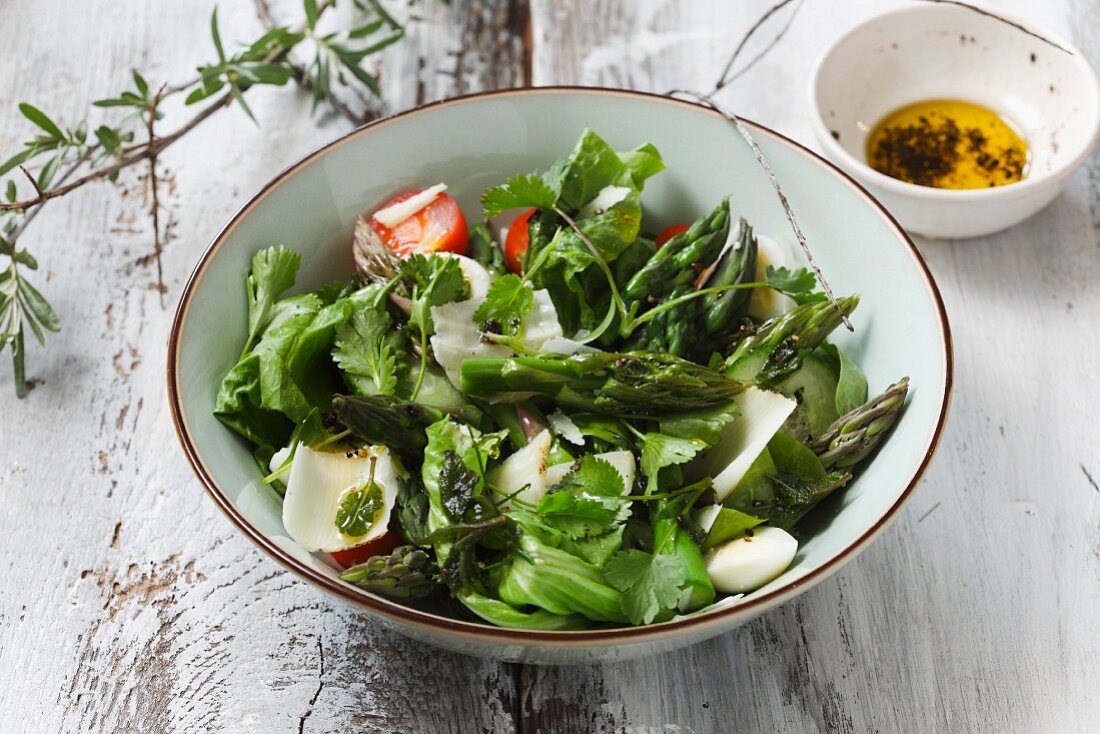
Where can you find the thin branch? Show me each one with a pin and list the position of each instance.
(787, 210)
(722, 79)
(30, 215)
(726, 78)
(149, 150)
(155, 207)
(31, 178)
(263, 12)
(1006, 21)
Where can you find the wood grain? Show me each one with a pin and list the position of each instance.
(976, 610)
(128, 603)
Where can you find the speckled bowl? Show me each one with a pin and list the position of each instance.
(901, 325)
(937, 51)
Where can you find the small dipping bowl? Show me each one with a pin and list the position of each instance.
(939, 51)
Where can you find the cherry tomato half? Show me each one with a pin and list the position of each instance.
(438, 227)
(670, 232)
(381, 546)
(515, 243)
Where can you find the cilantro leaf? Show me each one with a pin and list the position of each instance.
(588, 501)
(364, 348)
(509, 299)
(660, 450)
(456, 485)
(649, 584)
(576, 516)
(797, 284)
(593, 476)
(273, 271)
(360, 510)
(436, 280)
(524, 190)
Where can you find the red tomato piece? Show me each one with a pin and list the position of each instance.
(670, 232)
(438, 227)
(515, 243)
(381, 546)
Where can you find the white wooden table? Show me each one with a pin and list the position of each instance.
(127, 602)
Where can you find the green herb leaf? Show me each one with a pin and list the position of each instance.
(216, 35)
(509, 299)
(364, 348)
(310, 7)
(273, 271)
(798, 284)
(706, 424)
(38, 306)
(19, 158)
(576, 516)
(39, 118)
(660, 450)
(519, 191)
(360, 510)
(593, 477)
(649, 584)
(141, 84)
(588, 501)
(456, 485)
(851, 386)
(435, 280)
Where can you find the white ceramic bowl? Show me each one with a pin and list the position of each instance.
(476, 142)
(939, 51)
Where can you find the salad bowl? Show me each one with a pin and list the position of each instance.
(901, 328)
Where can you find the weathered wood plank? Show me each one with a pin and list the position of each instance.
(973, 613)
(128, 602)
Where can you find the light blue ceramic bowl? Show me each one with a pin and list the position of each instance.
(474, 142)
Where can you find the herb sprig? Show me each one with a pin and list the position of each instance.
(58, 159)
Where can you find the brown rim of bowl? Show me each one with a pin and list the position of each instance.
(483, 631)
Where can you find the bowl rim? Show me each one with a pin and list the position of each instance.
(1028, 184)
(483, 632)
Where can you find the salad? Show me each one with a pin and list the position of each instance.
(555, 419)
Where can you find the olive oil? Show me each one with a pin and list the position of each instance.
(948, 144)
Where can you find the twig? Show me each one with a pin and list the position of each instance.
(31, 178)
(787, 210)
(725, 78)
(1006, 21)
(155, 208)
(30, 215)
(263, 12)
(151, 149)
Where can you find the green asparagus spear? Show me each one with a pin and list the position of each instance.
(736, 267)
(674, 265)
(853, 436)
(628, 384)
(776, 349)
(677, 330)
(386, 419)
(407, 573)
